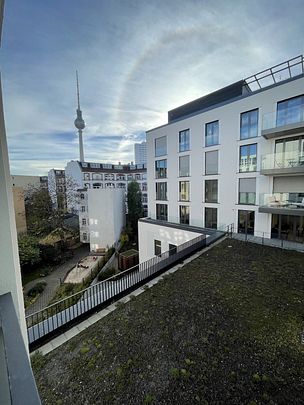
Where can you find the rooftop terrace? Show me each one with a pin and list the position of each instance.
(226, 328)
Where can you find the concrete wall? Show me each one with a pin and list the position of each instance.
(19, 207)
(26, 182)
(228, 149)
(106, 212)
(148, 232)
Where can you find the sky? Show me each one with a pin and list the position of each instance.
(136, 60)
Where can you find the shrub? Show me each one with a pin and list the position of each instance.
(37, 289)
(29, 252)
(109, 272)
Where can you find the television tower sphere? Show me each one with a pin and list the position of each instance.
(79, 122)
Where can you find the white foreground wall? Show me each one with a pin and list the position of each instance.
(148, 232)
(106, 212)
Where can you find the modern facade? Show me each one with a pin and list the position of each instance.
(235, 156)
(101, 217)
(140, 153)
(57, 188)
(88, 175)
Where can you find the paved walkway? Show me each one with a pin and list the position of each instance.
(280, 243)
(53, 280)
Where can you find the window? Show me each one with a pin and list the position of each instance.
(161, 191)
(246, 222)
(84, 236)
(82, 196)
(161, 146)
(184, 214)
(83, 208)
(97, 185)
(184, 140)
(211, 218)
(161, 169)
(96, 176)
(84, 221)
(248, 158)
(157, 247)
(290, 111)
(86, 176)
(247, 191)
(95, 165)
(109, 176)
(211, 191)
(120, 177)
(249, 124)
(162, 212)
(211, 162)
(137, 177)
(212, 133)
(184, 191)
(144, 187)
(184, 166)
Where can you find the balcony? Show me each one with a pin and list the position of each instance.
(284, 122)
(283, 163)
(282, 203)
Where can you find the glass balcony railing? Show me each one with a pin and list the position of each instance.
(282, 200)
(283, 117)
(285, 160)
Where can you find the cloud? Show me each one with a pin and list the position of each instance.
(136, 60)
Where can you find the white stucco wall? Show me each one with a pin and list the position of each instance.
(74, 180)
(106, 212)
(148, 232)
(228, 149)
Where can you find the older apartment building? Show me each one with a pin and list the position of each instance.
(57, 188)
(235, 156)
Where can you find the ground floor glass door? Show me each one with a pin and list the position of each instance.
(246, 222)
(289, 227)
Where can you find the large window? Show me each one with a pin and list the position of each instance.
(161, 190)
(249, 124)
(184, 190)
(184, 166)
(248, 158)
(161, 146)
(157, 247)
(212, 133)
(184, 214)
(211, 191)
(161, 169)
(290, 111)
(96, 176)
(247, 191)
(246, 222)
(211, 162)
(162, 212)
(184, 140)
(211, 218)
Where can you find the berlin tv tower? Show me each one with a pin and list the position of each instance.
(79, 123)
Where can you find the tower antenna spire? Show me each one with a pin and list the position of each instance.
(77, 89)
(79, 122)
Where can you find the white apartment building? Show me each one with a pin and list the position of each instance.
(80, 175)
(140, 153)
(235, 156)
(101, 217)
(57, 188)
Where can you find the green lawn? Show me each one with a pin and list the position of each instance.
(225, 329)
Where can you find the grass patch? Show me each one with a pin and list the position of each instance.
(226, 328)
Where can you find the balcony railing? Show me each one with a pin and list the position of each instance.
(283, 118)
(283, 200)
(286, 162)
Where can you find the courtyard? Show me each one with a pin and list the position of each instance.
(228, 328)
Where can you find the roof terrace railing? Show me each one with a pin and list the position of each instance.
(276, 74)
(48, 321)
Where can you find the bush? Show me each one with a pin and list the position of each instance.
(29, 252)
(109, 272)
(37, 289)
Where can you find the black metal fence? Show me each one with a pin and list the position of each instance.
(47, 322)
